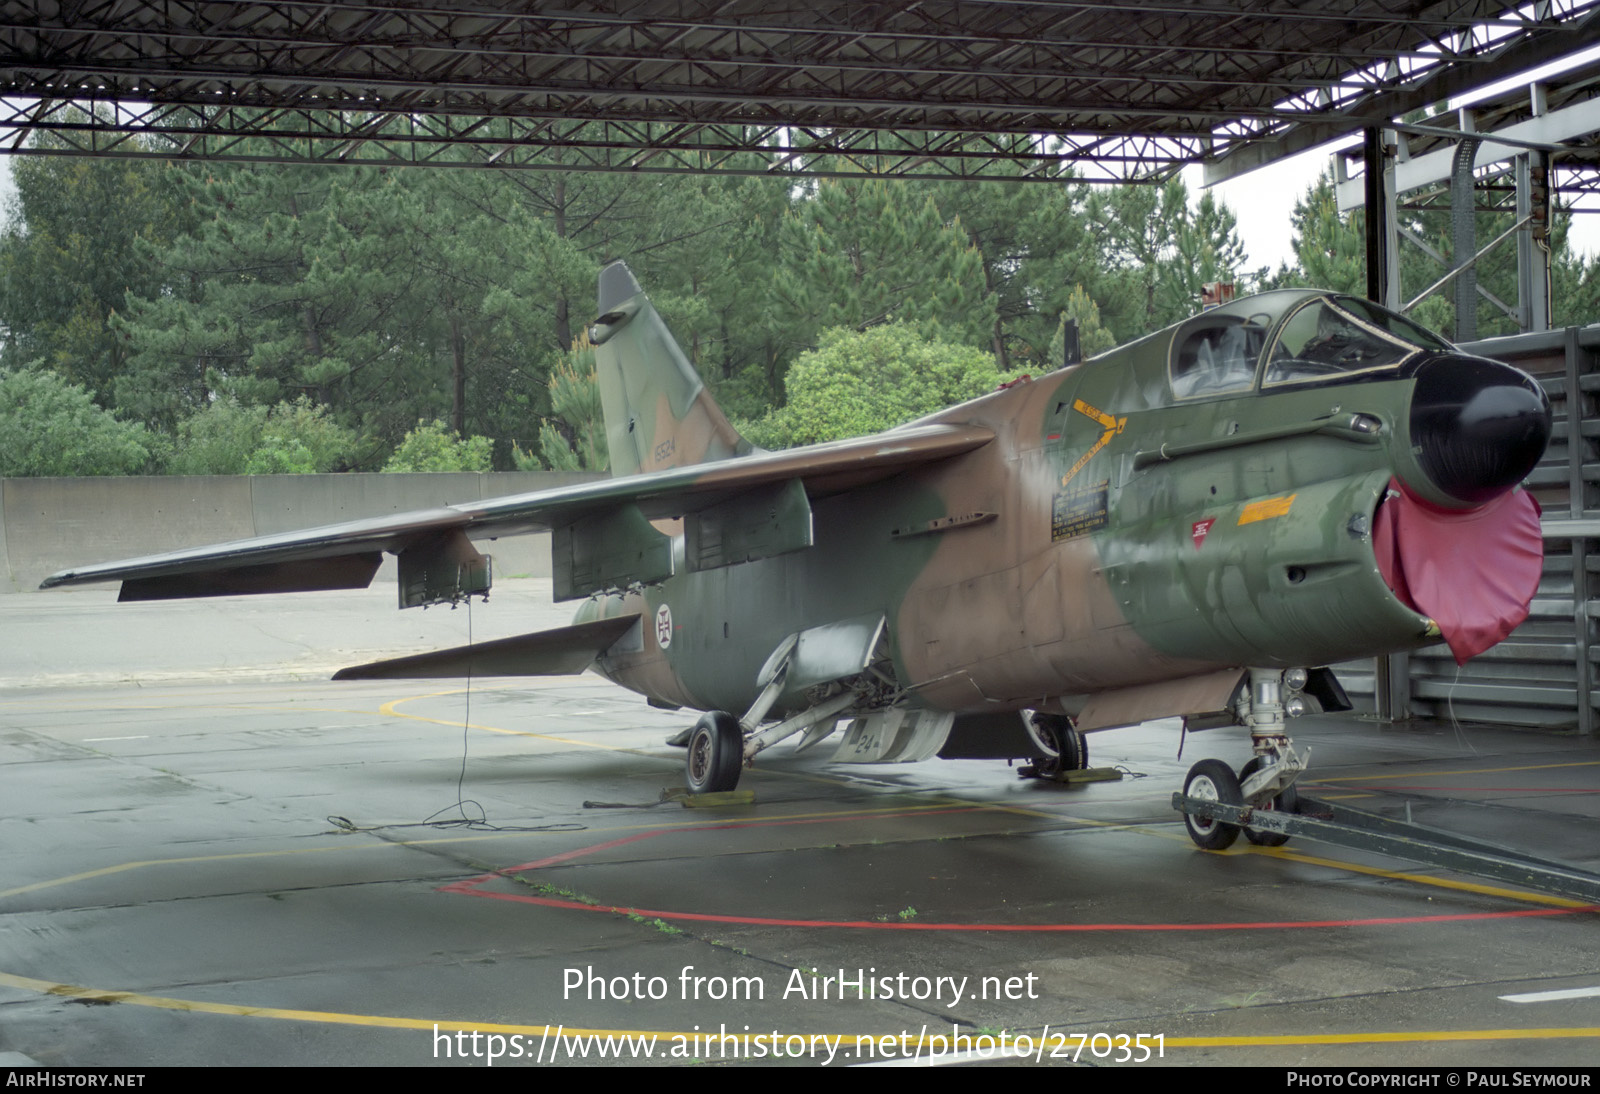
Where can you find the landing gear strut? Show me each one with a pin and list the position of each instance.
(1286, 802)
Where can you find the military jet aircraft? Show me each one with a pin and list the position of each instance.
(1194, 525)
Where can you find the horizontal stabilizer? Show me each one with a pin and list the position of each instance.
(565, 651)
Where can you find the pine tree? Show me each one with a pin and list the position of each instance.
(1206, 249)
(1036, 248)
(296, 284)
(71, 254)
(858, 254)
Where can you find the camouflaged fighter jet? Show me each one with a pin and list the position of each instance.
(1193, 525)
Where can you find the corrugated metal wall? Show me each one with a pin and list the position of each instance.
(1533, 678)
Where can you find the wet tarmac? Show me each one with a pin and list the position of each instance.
(211, 855)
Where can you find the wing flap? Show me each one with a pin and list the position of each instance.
(564, 651)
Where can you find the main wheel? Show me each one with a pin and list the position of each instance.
(1069, 745)
(716, 753)
(1212, 781)
(1286, 802)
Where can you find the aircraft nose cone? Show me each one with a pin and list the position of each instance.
(1478, 427)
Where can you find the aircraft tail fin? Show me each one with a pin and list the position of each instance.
(658, 412)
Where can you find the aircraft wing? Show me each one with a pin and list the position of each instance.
(735, 510)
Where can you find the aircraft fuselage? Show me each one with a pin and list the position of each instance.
(1120, 530)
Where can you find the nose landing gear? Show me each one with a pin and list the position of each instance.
(1211, 781)
(1265, 784)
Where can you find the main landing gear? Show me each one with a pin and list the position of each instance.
(857, 675)
(1067, 749)
(1265, 784)
(716, 753)
(720, 745)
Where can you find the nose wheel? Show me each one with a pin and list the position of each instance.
(1214, 781)
(1265, 784)
(1211, 781)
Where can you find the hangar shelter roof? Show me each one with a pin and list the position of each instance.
(965, 88)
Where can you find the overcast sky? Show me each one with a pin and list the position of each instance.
(1264, 200)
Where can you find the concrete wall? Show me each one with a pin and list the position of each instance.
(50, 524)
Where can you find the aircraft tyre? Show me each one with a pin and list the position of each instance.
(1212, 780)
(1070, 746)
(1286, 802)
(716, 753)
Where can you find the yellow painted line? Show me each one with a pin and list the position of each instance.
(1421, 879)
(387, 845)
(1168, 833)
(195, 1006)
(943, 800)
(389, 710)
(1162, 833)
(1266, 509)
(1385, 1038)
(381, 1021)
(1468, 771)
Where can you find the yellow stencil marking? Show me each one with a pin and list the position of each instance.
(1112, 427)
(1266, 509)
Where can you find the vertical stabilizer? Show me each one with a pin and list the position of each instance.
(657, 409)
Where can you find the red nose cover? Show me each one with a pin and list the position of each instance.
(1471, 571)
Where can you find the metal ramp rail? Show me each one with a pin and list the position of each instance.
(1342, 826)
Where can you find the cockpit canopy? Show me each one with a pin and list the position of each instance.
(1290, 336)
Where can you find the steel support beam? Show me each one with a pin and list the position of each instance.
(1378, 216)
(231, 134)
(1533, 250)
(1578, 510)
(1464, 241)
